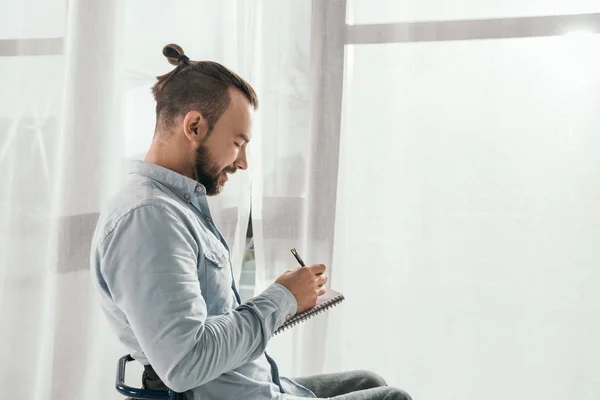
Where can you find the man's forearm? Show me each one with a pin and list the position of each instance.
(225, 342)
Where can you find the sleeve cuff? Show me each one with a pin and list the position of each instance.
(283, 299)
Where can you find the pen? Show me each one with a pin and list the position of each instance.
(295, 253)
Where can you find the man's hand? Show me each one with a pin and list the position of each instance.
(306, 284)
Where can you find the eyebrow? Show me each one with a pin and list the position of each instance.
(244, 136)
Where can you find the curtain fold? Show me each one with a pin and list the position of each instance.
(294, 188)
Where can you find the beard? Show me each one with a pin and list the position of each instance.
(208, 173)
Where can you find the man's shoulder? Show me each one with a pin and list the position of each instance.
(137, 194)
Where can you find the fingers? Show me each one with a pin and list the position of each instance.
(321, 292)
(321, 280)
(318, 269)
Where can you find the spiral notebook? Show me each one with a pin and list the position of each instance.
(331, 298)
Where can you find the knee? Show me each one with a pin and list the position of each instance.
(397, 394)
(371, 380)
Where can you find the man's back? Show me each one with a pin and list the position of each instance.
(164, 274)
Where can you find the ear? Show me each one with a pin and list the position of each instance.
(195, 127)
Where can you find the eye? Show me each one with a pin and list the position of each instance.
(239, 146)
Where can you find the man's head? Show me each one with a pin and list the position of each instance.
(204, 116)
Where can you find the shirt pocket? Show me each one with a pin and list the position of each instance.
(216, 257)
(218, 280)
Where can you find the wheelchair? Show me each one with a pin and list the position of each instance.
(136, 393)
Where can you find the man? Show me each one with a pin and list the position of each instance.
(163, 270)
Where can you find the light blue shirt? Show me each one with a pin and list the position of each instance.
(164, 276)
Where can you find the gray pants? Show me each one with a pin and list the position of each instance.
(355, 385)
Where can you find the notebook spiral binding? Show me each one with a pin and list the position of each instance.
(306, 315)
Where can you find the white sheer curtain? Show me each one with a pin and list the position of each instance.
(295, 185)
(289, 156)
(468, 200)
(75, 109)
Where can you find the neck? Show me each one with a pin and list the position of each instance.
(170, 156)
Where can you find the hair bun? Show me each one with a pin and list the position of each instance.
(174, 54)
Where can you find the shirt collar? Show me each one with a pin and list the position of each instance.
(181, 185)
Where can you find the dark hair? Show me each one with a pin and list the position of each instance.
(196, 85)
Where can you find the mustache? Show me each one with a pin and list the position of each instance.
(230, 170)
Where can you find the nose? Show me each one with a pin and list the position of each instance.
(241, 161)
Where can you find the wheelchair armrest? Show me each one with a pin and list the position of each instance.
(137, 393)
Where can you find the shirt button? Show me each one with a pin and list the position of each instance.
(288, 316)
(186, 196)
(198, 188)
(223, 259)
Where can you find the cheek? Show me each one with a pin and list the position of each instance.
(222, 162)
(223, 153)
(228, 156)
